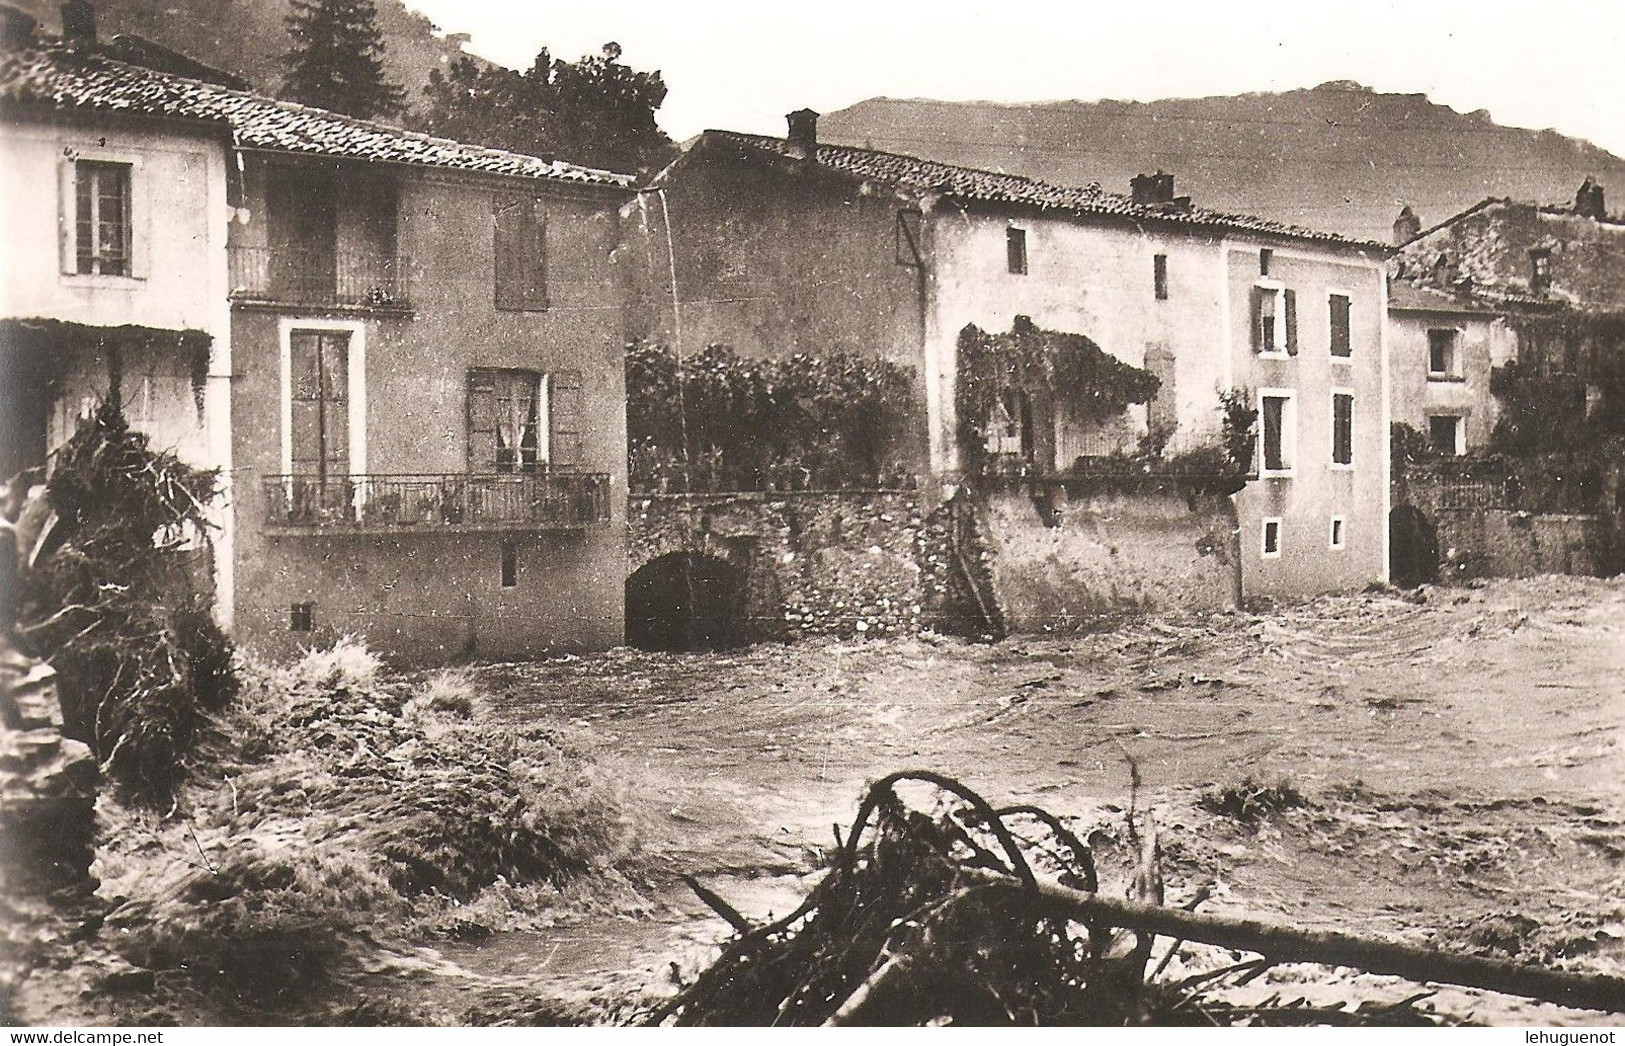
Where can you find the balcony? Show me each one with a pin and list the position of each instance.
(318, 277)
(435, 504)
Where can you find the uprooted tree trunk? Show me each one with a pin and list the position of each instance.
(939, 918)
(139, 659)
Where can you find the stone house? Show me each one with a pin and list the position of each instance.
(780, 245)
(114, 263)
(423, 344)
(1444, 348)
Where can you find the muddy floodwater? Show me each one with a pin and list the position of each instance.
(1462, 754)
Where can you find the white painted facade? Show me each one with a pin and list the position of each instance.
(1097, 279)
(177, 280)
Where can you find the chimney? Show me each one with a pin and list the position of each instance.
(1152, 190)
(804, 129)
(1589, 202)
(79, 23)
(1407, 226)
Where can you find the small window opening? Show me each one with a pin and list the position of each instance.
(1272, 538)
(1265, 256)
(1444, 433)
(510, 565)
(1540, 270)
(1337, 532)
(1015, 242)
(1159, 276)
(1442, 354)
(302, 617)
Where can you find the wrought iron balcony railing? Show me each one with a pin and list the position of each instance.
(437, 503)
(304, 276)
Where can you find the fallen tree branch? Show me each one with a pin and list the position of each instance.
(1329, 947)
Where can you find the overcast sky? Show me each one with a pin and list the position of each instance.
(742, 66)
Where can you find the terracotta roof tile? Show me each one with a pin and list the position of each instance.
(970, 183)
(57, 76)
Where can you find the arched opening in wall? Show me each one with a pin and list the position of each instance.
(1413, 547)
(685, 601)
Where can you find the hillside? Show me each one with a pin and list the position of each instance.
(248, 37)
(1339, 157)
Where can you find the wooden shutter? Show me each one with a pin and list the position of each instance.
(1341, 344)
(1258, 318)
(1290, 306)
(521, 254)
(482, 421)
(564, 402)
(319, 403)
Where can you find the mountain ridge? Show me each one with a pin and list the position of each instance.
(1340, 156)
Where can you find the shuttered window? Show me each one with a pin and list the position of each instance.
(566, 418)
(1275, 320)
(507, 415)
(1342, 428)
(1159, 276)
(521, 253)
(319, 402)
(1342, 344)
(1276, 432)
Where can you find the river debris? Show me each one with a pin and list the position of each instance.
(965, 914)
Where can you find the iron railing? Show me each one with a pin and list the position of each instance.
(448, 501)
(306, 276)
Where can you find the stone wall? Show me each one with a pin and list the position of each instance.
(1501, 543)
(814, 563)
(1062, 561)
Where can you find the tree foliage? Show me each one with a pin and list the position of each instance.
(596, 111)
(716, 421)
(337, 58)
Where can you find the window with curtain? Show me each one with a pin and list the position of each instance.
(507, 421)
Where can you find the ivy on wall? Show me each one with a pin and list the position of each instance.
(1068, 367)
(716, 421)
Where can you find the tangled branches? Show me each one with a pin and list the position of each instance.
(939, 918)
(130, 634)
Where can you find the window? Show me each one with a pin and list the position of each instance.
(907, 247)
(302, 617)
(102, 218)
(1272, 538)
(1015, 245)
(510, 565)
(1540, 270)
(1442, 355)
(521, 254)
(1275, 320)
(1277, 436)
(507, 410)
(319, 403)
(1444, 434)
(1342, 345)
(1342, 428)
(1337, 533)
(1265, 256)
(1159, 276)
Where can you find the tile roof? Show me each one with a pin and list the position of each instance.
(1414, 297)
(973, 184)
(57, 76)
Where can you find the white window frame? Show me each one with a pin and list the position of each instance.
(1338, 535)
(1289, 433)
(1276, 287)
(356, 374)
(1331, 416)
(1338, 292)
(67, 214)
(1264, 537)
(1455, 371)
(1461, 429)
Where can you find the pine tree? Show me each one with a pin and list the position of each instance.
(337, 58)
